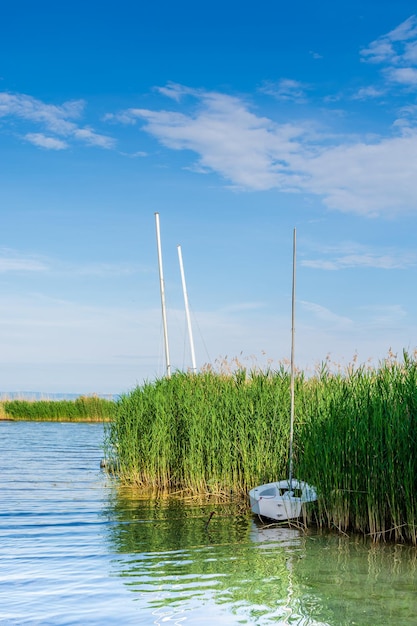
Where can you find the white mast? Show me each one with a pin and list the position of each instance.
(292, 358)
(187, 310)
(162, 288)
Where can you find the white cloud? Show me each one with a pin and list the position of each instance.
(286, 89)
(249, 151)
(405, 31)
(379, 51)
(367, 177)
(15, 261)
(403, 75)
(397, 51)
(134, 155)
(406, 121)
(385, 316)
(92, 138)
(54, 118)
(176, 91)
(40, 140)
(323, 314)
(12, 261)
(368, 92)
(394, 45)
(57, 120)
(348, 256)
(410, 54)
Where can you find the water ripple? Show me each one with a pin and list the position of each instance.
(76, 548)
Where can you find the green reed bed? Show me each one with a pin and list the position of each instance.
(355, 439)
(359, 446)
(82, 409)
(204, 432)
(3, 415)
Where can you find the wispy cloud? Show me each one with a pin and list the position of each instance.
(175, 91)
(403, 75)
(324, 314)
(12, 261)
(351, 256)
(42, 141)
(134, 155)
(249, 151)
(368, 176)
(243, 307)
(395, 45)
(55, 118)
(91, 138)
(15, 261)
(58, 121)
(286, 89)
(58, 323)
(397, 53)
(385, 316)
(366, 93)
(105, 269)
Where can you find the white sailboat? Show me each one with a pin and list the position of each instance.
(285, 499)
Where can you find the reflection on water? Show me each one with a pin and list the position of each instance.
(181, 561)
(77, 548)
(54, 560)
(180, 568)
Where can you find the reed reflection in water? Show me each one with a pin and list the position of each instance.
(187, 563)
(184, 569)
(76, 548)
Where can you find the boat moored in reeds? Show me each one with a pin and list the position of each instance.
(285, 500)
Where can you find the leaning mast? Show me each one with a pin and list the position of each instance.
(162, 290)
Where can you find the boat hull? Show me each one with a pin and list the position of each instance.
(281, 501)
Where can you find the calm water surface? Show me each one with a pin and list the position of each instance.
(76, 548)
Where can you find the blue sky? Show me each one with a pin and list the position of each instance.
(236, 123)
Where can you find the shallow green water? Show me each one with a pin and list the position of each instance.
(247, 573)
(76, 548)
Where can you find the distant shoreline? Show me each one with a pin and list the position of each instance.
(33, 396)
(79, 409)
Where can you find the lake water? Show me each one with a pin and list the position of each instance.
(76, 548)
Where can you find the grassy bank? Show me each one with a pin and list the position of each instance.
(82, 409)
(355, 439)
